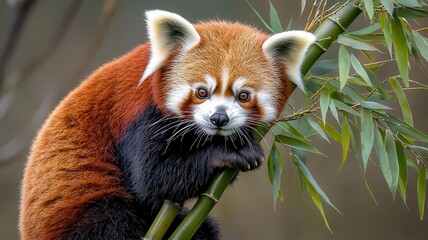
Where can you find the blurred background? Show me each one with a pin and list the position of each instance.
(61, 42)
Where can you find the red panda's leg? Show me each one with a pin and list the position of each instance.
(108, 218)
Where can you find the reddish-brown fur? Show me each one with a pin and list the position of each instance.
(72, 162)
(239, 48)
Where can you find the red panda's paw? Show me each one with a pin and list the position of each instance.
(246, 158)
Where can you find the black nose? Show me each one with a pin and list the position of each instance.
(219, 119)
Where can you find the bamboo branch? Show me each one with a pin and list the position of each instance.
(204, 205)
(108, 11)
(20, 10)
(50, 47)
(163, 220)
(328, 32)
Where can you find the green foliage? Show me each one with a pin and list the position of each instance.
(275, 171)
(347, 90)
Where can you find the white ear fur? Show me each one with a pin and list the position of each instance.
(289, 47)
(167, 30)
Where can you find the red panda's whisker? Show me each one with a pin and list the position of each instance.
(185, 129)
(165, 118)
(260, 134)
(189, 128)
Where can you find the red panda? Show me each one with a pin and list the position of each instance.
(155, 125)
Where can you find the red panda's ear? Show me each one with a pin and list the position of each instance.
(289, 48)
(167, 31)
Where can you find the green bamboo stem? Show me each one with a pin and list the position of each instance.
(163, 220)
(204, 205)
(327, 33)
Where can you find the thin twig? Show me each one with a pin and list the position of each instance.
(53, 43)
(19, 15)
(108, 11)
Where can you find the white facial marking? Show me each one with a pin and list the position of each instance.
(238, 84)
(224, 80)
(268, 104)
(212, 83)
(176, 95)
(202, 113)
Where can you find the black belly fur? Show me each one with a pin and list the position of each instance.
(154, 170)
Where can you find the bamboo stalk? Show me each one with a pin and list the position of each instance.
(20, 11)
(327, 33)
(163, 220)
(204, 205)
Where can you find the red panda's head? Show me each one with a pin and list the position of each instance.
(223, 76)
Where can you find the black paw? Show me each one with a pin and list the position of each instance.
(247, 157)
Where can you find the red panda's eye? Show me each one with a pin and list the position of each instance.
(201, 93)
(243, 96)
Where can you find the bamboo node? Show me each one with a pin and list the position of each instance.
(321, 47)
(174, 204)
(359, 5)
(336, 20)
(210, 196)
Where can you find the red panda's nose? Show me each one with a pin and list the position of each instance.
(219, 119)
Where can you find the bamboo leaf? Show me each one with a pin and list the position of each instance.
(302, 6)
(322, 67)
(334, 111)
(367, 135)
(289, 128)
(350, 92)
(369, 6)
(344, 107)
(389, 6)
(376, 85)
(400, 49)
(357, 81)
(410, 12)
(360, 69)
(275, 172)
(406, 130)
(344, 66)
(310, 178)
(409, 3)
(367, 30)
(373, 105)
(421, 43)
(296, 143)
(371, 192)
(391, 149)
(261, 130)
(402, 181)
(324, 103)
(260, 17)
(275, 23)
(316, 199)
(386, 29)
(288, 28)
(331, 131)
(421, 188)
(382, 156)
(402, 100)
(346, 138)
(355, 43)
(419, 149)
(317, 128)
